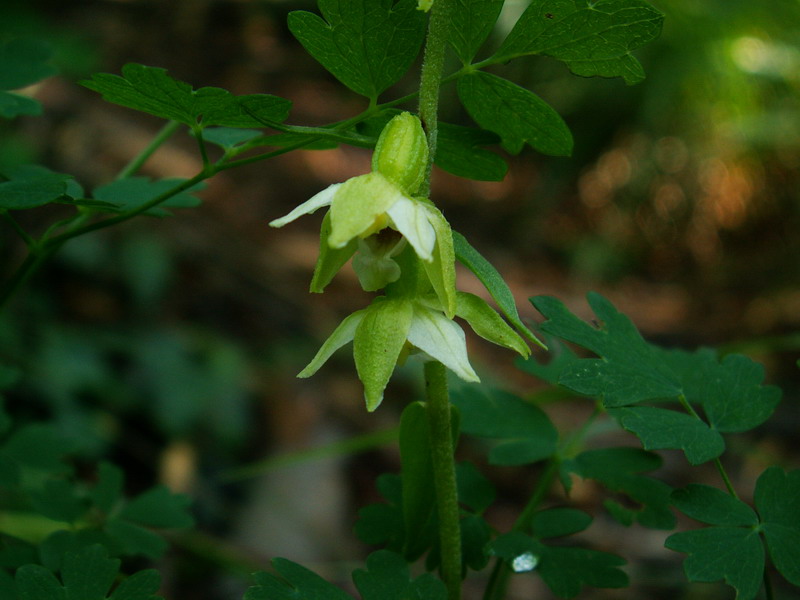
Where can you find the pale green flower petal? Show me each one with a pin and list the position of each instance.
(442, 339)
(378, 341)
(343, 334)
(442, 269)
(323, 198)
(359, 208)
(410, 218)
(374, 265)
(485, 321)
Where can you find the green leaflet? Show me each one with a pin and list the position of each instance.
(524, 432)
(386, 577)
(152, 90)
(128, 194)
(471, 23)
(565, 570)
(87, 574)
(30, 186)
(493, 282)
(659, 428)
(459, 152)
(620, 470)
(22, 62)
(731, 549)
(366, 44)
(591, 38)
(517, 115)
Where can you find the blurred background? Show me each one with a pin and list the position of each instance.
(170, 345)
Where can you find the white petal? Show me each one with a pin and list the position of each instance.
(411, 219)
(343, 334)
(442, 339)
(323, 198)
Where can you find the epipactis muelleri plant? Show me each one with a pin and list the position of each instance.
(402, 244)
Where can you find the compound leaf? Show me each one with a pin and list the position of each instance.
(158, 507)
(366, 44)
(525, 432)
(777, 498)
(659, 428)
(295, 583)
(152, 90)
(517, 115)
(387, 578)
(591, 38)
(87, 574)
(629, 371)
(730, 553)
(619, 469)
(471, 22)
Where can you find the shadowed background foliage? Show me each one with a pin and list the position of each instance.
(170, 345)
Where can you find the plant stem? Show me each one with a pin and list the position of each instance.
(136, 163)
(431, 79)
(444, 477)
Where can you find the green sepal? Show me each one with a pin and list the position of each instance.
(343, 334)
(485, 321)
(441, 270)
(378, 341)
(330, 259)
(360, 203)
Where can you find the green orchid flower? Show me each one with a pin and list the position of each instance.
(365, 206)
(391, 329)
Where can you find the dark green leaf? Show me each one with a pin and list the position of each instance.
(777, 499)
(731, 392)
(592, 38)
(15, 105)
(558, 522)
(133, 539)
(561, 357)
(39, 447)
(629, 371)
(87, 574)
(733, 554)
(517, 115)
(474, 490)
(475, 537)
(158, 507)
(658, 428)
(57, 500)
(458, 152)
(295, 583)
(366, 44)
(132, 192)
(471, 22)
(526, 433)
(228, 137)
(387, 578)
(566, 570)
(24, 62)
(24, 191)
(492, 281)
(108, 490)
(618, 469)
(711, 505)
(151, 90)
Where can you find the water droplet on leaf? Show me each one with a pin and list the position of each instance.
(524, 563)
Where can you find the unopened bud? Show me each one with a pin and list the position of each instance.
(401, 154)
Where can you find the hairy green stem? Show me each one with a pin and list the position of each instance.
(431, 79)
(444, 476)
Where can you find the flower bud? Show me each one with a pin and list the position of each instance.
(401, 154)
